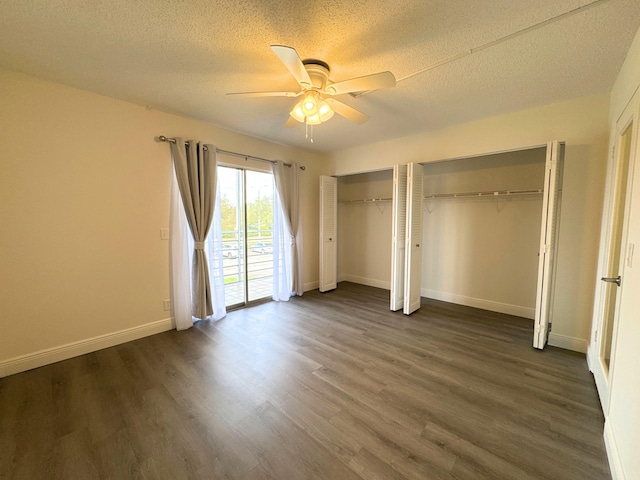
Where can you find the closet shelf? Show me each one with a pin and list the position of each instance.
(366, 200)
(492, 193)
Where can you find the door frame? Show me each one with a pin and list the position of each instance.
(603, 375)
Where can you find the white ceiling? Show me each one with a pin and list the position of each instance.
(184, 56)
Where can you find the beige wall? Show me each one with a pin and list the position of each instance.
(582, 124)
(84, 191)
(622, 426)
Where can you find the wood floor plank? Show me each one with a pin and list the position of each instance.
(325, 386)
(287, 451)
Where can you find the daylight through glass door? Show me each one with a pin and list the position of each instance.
(247, 234)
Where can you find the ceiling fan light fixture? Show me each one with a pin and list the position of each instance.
(324, 110)
(297, 112)
(312, 109)
(314, 119)
(310, 103)
(317, 89)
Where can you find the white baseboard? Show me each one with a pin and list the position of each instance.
(615, 465)
(597, 369)
(311, 286)
(568, 343)
(371, 282)
(63, 352)
(480, 303)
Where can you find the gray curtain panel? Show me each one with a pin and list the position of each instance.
(288, 187)
(196, 174)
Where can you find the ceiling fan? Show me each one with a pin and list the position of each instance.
(317, 90)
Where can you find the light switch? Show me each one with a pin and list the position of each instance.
(164, 234)
(630, 249)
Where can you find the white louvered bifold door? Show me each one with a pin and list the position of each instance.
(399, 225)
(413, 254)
(328, 233)
(548, 242)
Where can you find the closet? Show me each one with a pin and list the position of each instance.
(478, 231)
(364, 228)
(481, 224)
(490, 232)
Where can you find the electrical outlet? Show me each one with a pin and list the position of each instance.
(164, 234)
(167, 305)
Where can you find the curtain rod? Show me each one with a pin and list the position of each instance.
(162, 138)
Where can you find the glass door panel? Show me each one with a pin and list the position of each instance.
(259, 201)
(247, 234)
(231, 184)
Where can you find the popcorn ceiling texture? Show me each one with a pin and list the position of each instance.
(183, 57)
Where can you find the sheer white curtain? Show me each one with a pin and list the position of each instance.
(287, 233)
(197, 285)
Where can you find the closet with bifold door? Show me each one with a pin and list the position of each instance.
(363, 211)
(490, 232)
(479, 231)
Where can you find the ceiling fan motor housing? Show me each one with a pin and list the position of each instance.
(318, 71)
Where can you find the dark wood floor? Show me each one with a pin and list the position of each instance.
(327, 386)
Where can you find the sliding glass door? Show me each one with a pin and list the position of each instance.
(247, 234)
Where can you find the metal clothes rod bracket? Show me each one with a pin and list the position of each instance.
(162, 138)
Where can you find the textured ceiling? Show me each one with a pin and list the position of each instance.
(488, 56)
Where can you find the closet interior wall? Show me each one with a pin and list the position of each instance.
(364, 228)
(483, 251)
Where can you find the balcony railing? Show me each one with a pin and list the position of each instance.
(258, 268)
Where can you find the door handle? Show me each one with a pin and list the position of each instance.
(617, 280)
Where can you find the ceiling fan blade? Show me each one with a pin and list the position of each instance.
(265, 94)
(291, 60)
(347, 112)
(292, 122)
(362, 84)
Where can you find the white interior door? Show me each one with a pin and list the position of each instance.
(398, 239)
(616, 254)
(413, 253)
(548, 242)
(328, 233)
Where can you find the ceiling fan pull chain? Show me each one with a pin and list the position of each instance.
(311, 133)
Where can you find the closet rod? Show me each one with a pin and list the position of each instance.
(494, 193)
(162, 138)
(367, 200)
